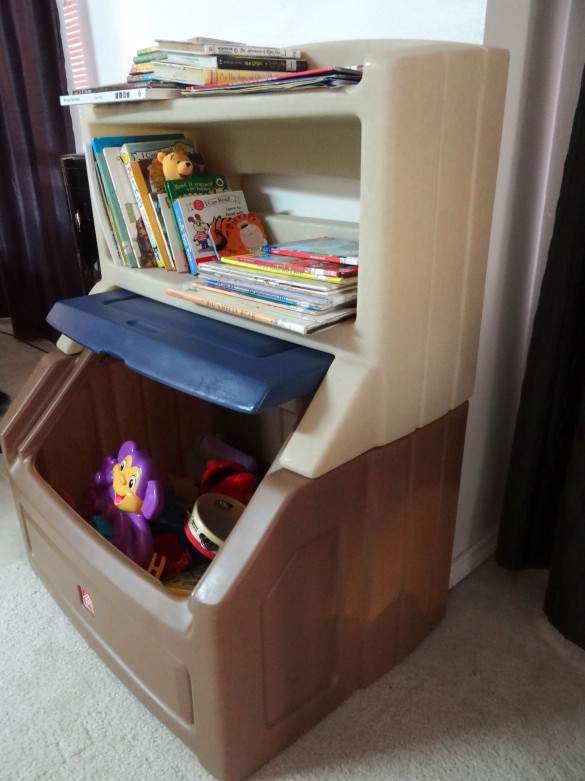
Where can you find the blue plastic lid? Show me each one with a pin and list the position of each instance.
(216, 361)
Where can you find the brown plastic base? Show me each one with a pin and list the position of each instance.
(322, 587)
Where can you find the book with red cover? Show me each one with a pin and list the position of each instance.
(321, 268)
(322, 248)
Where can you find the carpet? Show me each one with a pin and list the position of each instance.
(494, 693)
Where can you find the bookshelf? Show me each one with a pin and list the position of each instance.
(421, 133)
(340, 564)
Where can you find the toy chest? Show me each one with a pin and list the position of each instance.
(339, 565)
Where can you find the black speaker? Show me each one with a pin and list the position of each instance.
(77, 189)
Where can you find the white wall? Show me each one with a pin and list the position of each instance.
(119, 27)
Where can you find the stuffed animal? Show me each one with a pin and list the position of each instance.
(228, 478)
(175, 165)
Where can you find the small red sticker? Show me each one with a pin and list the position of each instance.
(86, 600)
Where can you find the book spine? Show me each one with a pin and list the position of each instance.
(177, 250)
(191, 260)
(311, 255)
(109, 96)
(229, 309)
(191, 74)
(304, 264)
(273, 270)
(223, 61)
(252, 51)
(243, 294)
(142, 201)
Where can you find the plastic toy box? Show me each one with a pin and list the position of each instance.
(339, 565)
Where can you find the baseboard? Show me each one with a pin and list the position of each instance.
(471, 558)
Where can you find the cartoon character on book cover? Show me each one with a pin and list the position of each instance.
(200, 236)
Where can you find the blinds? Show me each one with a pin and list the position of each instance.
(74, 44)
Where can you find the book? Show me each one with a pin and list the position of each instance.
(144, 171)
(195, 185)
(287, 263)
(269, 277)
(214, 46)
(192, 74)
(120, 95)
(316, 293)
(278, 296)
(129, 212)
(321, 248)
(173, 237)
(329, 77)
(101, 208)
(176, 188)
(241, 233)
(194, 216)
(113, 204)
(237, 61)
(297, 322)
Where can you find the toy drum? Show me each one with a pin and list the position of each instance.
(212, 519)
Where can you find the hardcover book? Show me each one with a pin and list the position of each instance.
(144, 171)
(129, 212)
(195, 214)
(112, 201)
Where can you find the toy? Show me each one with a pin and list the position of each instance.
(175, 165)
(127, 492)
(228, 478)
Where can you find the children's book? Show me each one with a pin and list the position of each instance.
(299, 322)
(98, 145)
(146, 176)
(173, 237)
(286, 263)
(322, 248)
(196, 213)
(240, 234)
(129, 214)
(314, 294)
(102, 210)
(196, 185)
(176, 188)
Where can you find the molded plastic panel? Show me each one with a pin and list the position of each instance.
(243, 370)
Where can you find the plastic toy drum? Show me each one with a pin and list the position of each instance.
(212, 519)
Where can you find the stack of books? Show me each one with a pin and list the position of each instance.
(201, 61)
(208, 66)
(303, 286)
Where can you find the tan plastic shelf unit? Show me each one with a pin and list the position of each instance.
(340, 564)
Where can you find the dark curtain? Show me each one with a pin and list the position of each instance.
(38, 261)
(543, 516)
